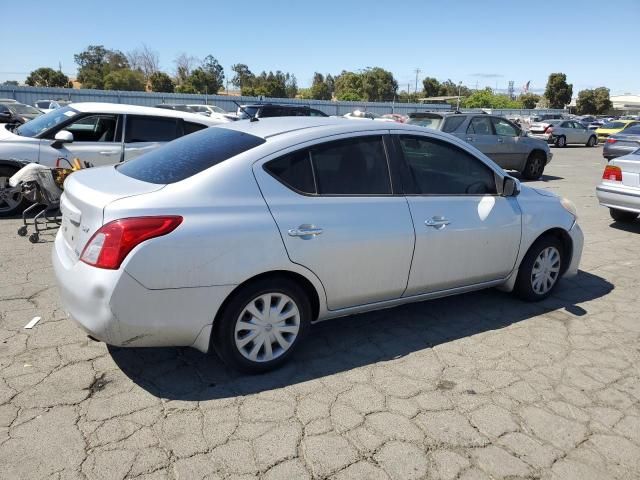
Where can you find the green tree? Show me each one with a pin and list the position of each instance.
(185, 88)
(96, 63)
(378, 85)
(331, 83)
(243, 77)
(558, 91)
(349, 86)
(305, 93)
(602, 100)
(125, 79)
(47, 77)
(430, 87)
(161, 82)
(319, 88)
(586, 102)
(487, 99)
(10, 83)
(291, 85)
(529, 100)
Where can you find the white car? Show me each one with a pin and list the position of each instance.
(242, 235)
(361, 115)
(213, 112)
(47, 105)
(619, 189)
(97, 133)
(563, 132)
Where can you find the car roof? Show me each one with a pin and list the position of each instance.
(280, 126)
(121, 108)
(289, 105)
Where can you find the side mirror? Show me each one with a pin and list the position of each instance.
(62, 137)
(6, 116)
(510, 187)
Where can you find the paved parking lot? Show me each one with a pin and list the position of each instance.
(477, 386)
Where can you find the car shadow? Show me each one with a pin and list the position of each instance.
(631, 227)
(347, 343)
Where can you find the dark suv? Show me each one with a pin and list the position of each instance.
(264, 110)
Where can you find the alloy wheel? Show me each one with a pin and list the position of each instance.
(267, 327)
(546, 270)
(10, 197)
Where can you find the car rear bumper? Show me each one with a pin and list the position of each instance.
(547, 137)
(113, 307)
(620, 197)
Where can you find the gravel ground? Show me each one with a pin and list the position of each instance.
(476, 386)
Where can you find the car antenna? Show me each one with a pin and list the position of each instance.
(252, 118)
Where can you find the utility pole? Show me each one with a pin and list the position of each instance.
(408, 92)
(417, 71)
(458, 105)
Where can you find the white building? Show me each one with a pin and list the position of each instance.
(626, 103)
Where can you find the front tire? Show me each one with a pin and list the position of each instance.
(561, 141)
(12, 202)
(622, 215)
(262, 324)
(592, 141)
(535, 166)
(540, 270)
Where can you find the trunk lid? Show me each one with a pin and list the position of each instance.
(630, 166)
(539, 127)
(86, 194)
(623, 140)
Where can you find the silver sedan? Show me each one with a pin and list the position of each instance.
(619, 189)
(238, 238)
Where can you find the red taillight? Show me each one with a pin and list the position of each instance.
(549, 129)
(611, 140)
(612, 173)
(110, 245)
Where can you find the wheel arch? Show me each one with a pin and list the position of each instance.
(12, 163)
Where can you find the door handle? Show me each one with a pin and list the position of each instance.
(305, 231)
(500, 140)
(437, 222)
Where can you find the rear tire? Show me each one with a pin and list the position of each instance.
(622, 215)
(540, 269)
(561, 141)
(253, 336)
(592, 141)
(11, 200)
(535, 166)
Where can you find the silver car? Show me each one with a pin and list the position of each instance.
(563, 132)
(237, 238)
(619, 189)
(498, 138)
(622, 143)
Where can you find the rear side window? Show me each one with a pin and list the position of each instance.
(451, 124)
(150, 129)
(189, 155)
(480, 126)
(190, 127)
(356, 166)
(294, 171)
(317, 113)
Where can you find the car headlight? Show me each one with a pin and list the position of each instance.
(569, 206)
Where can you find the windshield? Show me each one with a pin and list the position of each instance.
(23, 109)
(247, 112)
(426, 122)
(45, 122)
(614, 125)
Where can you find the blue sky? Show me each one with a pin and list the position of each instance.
(486, 42)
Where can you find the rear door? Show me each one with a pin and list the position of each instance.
(480, 134)
(146, 133)
(338, 216)
(466, 233)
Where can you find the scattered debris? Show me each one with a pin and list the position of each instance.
(32, 323)
(446, 385)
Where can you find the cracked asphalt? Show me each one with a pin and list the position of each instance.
(477, 386)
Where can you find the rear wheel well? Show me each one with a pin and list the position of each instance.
(565, 241)
(307, 286)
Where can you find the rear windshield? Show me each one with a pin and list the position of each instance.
(614, 125)
(189, 155)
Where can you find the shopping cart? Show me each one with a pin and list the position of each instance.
(42, 189)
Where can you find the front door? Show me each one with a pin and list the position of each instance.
(511, 151)
(334, 206)
(96, 140)
(466, 233)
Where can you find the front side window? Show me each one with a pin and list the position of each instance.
(94, 128)
(503, 127)
(150, 129)
(46, 122)
(480, 126)
(440, 168)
